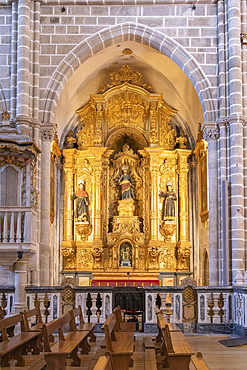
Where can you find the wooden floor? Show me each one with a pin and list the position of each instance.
(217, 356)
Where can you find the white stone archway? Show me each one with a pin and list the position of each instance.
(128, 32)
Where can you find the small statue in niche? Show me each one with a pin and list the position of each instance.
(126, 254)
(169, 208)
(115, 225)
(82, 204)
(70, 140)
(126, 185)
(136, 225)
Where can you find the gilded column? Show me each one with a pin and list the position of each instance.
(153, 123)
(97, 230)
(69, 170)
(154, 196)
(184, 247)
(98, 129)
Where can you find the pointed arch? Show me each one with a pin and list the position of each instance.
(128, 32)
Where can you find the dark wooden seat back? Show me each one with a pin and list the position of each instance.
(11, 322)
(73, 314)
(34, 312)
(51, 327)
(109, 327)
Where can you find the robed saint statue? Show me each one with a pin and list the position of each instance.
(169, 208)
(126, 185)
(82, 203)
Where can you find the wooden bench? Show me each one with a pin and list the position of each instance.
(16, 346)
(150, 359)
(161, 322)
(104, 363)
(83, 326)
(123, 326)
(119, 344)
(179, 351)
(67, 345)
(198, 362)
(28, 314)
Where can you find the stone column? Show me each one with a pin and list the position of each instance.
(20, 303)
(14, 58)
(23, 78)
(36, 121)
(44, 254)
(211, 135)
(223, 176)
(236, 137)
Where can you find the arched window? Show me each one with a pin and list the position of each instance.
(10, 186)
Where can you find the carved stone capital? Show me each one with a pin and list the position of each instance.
(211, 134)
(47, 134)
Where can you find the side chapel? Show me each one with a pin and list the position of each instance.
(127, 185)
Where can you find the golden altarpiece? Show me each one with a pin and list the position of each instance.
(125, 186)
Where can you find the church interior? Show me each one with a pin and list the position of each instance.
(123, 208)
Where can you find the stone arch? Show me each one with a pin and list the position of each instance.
(128, 32)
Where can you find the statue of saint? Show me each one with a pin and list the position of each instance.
(126, 252)
(126, 185)
(82, 210)
(169, 209)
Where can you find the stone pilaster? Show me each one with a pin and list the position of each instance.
(14, 58)
(23, 78)
(44, 254)
(211, 135)
(237, 201)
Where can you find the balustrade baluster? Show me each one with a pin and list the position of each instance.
(12, 228)
(18, 228)
(5, 228)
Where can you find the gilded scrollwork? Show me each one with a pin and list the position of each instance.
(69, 254)
(167, 259)
(84, 258)
(126, 75)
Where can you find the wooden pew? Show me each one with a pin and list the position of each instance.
(198, 362)
(119, 344)
(15, 346)
(34, 312)
(104, 363)
(178, 349)
(67, 345)
(123, 326)
(150, 359)
(161, 322)
(83, 326)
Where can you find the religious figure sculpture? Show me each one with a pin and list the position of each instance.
(125, 254)
(126, 185)
(115, 225)
(98, 255)
(136, 225)
(169, 209)
(82, 204)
